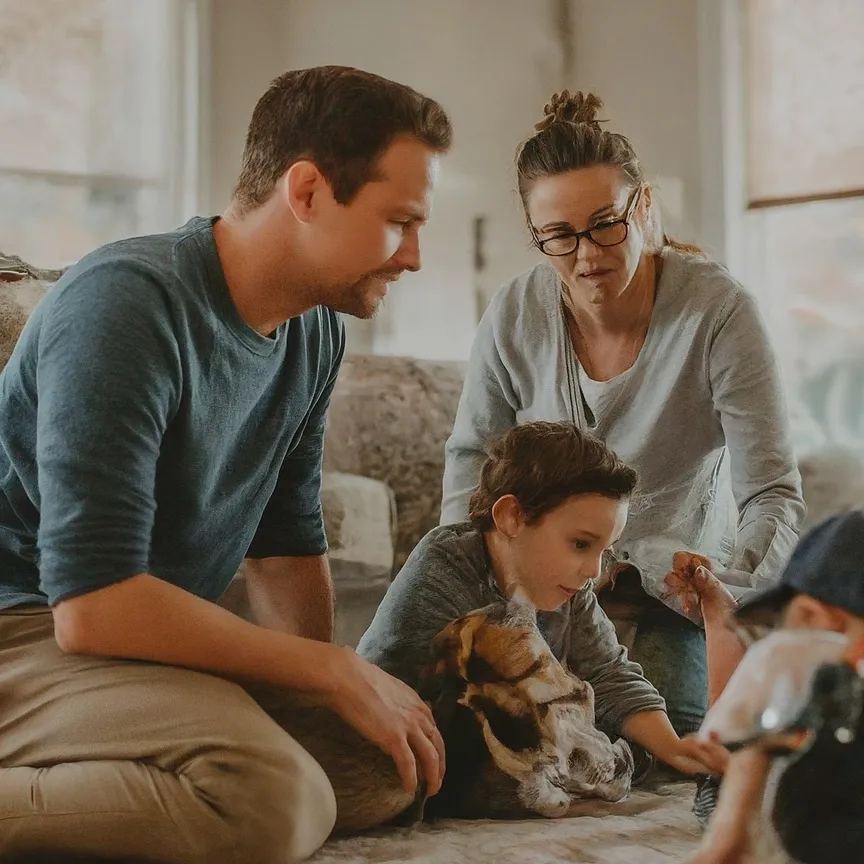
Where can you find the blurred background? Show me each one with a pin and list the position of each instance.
(122, 117)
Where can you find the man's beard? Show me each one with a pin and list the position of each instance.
(363, 298)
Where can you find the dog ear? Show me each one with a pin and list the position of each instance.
(443, 682)
(453, 646)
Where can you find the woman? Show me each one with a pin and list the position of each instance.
(549, 503)
(657, 351)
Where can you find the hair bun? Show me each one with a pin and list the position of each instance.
(578, 108)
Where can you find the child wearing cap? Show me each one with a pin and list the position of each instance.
(819, 806)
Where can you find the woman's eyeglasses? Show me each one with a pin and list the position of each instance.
(611, 233)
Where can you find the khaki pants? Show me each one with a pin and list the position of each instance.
(126, 759)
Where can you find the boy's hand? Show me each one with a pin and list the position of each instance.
(392, 716)
(700, 594)
(728, 849)
(697, 756)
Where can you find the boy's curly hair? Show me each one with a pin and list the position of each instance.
(542, 464)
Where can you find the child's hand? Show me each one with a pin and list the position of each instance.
(729, 849)
(698, 756)
(701, 595)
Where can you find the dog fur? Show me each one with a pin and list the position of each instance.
(518, 728)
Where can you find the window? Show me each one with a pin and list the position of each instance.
(99, 132)
(804, 227)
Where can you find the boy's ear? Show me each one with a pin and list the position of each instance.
(807, 611)
(508, 516)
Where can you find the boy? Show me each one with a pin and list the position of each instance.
(819, 808)
(550, 502)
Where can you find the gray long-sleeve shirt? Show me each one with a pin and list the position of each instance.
(448, 575)
(700, 414)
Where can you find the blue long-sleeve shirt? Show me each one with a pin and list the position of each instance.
(146, 428)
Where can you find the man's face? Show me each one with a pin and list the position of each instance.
(361, 247)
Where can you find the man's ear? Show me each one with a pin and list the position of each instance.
(508, 515)
(303, 188)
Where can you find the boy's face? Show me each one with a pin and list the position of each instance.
(807, 613)
(556, 555)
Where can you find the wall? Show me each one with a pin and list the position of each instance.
(492, 64)
(247, 50)
(643, 59)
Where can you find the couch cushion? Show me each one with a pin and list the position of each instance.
(389, 419)
(17, 300)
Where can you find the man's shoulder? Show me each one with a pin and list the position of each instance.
(135, 272)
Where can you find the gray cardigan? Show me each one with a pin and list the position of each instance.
(700, 415)
(448, 575)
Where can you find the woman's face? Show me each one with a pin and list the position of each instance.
(591, 198)
(555, 556)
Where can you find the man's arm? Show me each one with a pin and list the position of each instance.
(292, 595)
(286, 567)
(146, 618)
(110, 377)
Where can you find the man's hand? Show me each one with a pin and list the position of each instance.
(172, 626)
(392, 716)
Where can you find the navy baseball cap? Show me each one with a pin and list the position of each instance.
(828, 564)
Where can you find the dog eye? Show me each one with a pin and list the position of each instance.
(579, 760)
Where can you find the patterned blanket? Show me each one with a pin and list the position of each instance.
(651, 827)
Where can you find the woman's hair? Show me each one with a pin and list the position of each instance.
(569, 137)
(543, 464)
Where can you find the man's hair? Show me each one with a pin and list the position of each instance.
(340, 118)
(543, 464)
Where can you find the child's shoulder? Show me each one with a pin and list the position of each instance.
(456, 550)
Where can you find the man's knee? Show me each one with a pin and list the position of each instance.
(277, 802)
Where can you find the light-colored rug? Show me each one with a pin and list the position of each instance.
(650, 827)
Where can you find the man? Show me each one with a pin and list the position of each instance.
(162, 418)
(819, 807)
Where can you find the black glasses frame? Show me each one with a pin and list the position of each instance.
(588, 234)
